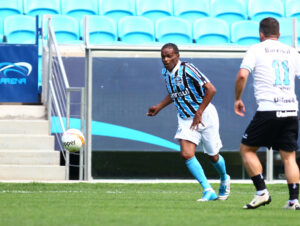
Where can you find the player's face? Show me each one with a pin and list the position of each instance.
(169, 58)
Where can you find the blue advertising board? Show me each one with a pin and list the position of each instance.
(124, 88)
(19, 73)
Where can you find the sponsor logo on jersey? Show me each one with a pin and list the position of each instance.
(181, 93)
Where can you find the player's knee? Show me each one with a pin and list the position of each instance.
(213, 158)
(186, 154)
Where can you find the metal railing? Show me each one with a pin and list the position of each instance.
(57, 96)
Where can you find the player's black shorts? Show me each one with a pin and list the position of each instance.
(276, 129)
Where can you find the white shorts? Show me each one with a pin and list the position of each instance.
(207, 137)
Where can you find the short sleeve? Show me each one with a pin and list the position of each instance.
(297, 64)
(249, 60)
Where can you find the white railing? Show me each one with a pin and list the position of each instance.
(57, 95)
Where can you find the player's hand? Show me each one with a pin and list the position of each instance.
(196, 121)
(239, 108)
(152, 111)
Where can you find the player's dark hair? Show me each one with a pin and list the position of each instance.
(269, 27)
(172, 46)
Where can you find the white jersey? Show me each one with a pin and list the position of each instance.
(274, 66)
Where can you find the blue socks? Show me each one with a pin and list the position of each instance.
(221, 168)
(197, 171)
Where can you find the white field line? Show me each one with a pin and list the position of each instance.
(33, 192)
(134, 181)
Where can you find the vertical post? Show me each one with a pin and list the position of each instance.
(269, 165)
(82, 112)
(86, 32)
(67, 126)
(49, 100)
(88, 115)
(294, 38)
(243, 171)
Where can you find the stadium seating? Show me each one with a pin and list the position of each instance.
(7, 8)
(245, 32)
(292, 9)
(37, 7)
(20, 33)
(211, 31)
(286, 30)
(258, 9)
(173, 29)
(136, 30)
(102, 30)
(117, 9)
(66, 29)
(229, 10)
(78, 10)
(154, 9)
(191, 9)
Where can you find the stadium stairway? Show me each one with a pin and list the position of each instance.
(27, 150)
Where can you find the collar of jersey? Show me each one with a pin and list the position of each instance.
(175, 68)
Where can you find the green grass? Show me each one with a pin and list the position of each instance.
(136, 204)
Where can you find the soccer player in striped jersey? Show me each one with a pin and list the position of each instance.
(198, 122)
(274, 66)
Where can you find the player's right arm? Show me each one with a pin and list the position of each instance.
(153, 110)
(240, 83)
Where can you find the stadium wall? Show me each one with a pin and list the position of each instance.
(125, 84)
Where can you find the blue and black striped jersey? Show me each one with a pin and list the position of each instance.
(185, 86)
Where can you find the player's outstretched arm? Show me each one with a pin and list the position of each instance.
(240, 83)
(153, 110)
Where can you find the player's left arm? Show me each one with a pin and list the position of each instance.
(210, 91)
(240, 83)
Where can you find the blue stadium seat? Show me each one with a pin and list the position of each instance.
(211, 31)
(78, 9)
(258, 9)
(292, 9)
(20, 29)
(66, 29)
(173, 29)
(102, 30)
(192, 9)
(154, 9)
(245, 32)
(7, 8)
(286, 30)
(229, 10)
(40, 8)
(117, 9)
(136, 30)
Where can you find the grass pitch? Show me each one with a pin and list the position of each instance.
(136, 204)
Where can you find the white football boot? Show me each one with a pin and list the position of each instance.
(259, 200)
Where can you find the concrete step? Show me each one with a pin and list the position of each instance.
(29, 158)
(25, 141)
(39, 126)
(23, 112)
(30, 172)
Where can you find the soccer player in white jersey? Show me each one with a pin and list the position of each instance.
(198, 121)
(274, 67)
